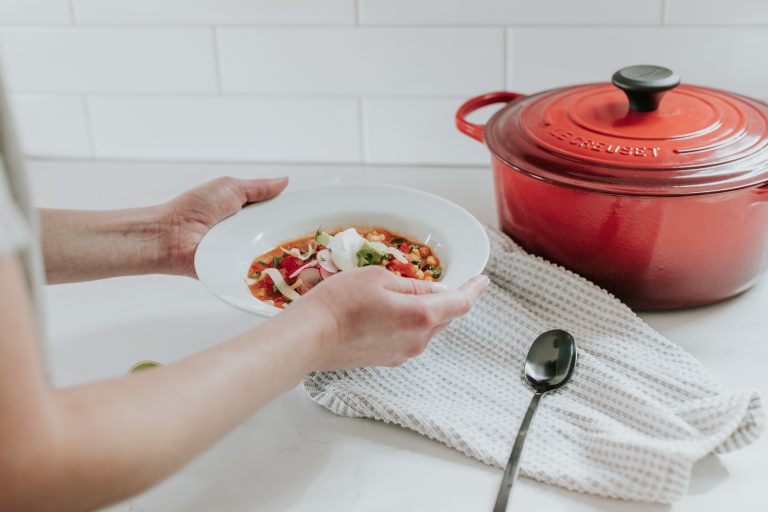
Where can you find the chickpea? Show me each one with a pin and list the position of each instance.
(373, 236)
(432, 261)
(424, 251)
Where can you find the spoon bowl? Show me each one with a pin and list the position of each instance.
(551, 360)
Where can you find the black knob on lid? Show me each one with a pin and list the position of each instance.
(645, 85)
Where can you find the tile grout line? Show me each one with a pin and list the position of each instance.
(505, 57)
(361, 131)
(392, 26)
(89, 123)
(72, 11)
(240, 95)
(217, 60)
(257, 163)
(664, 12)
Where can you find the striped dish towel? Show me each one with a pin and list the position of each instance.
(638, 413)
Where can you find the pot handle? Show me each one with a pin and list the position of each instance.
(476, 130)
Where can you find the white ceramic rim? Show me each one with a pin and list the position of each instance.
(222, 271)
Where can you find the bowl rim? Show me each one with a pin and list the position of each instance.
(262, 309)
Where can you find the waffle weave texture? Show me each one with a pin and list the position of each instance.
(638, 413)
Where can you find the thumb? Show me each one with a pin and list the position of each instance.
(263, 189)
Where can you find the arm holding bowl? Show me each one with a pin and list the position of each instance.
(83, 447)
(83, 245)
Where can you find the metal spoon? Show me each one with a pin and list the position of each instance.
(549, 365)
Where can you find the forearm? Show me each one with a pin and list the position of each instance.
(116, 438)
(86, 245)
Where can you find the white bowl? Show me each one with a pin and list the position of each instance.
(225, 253)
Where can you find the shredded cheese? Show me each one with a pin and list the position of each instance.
(293, 251)
(280, 284)
(310, 252)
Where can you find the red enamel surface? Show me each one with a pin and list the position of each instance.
(652, 252)
(665, 209)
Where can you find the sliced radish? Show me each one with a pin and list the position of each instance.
(298, 270)
(308, 278)
(325, 274)
(326, 262)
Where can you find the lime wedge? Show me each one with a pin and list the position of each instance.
(144, 365)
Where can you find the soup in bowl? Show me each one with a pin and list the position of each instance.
(270, 253)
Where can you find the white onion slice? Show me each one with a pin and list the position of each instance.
(280, 283)
(298, 270)
(326, 262)
(293, 251)
(310, 252)
(397, 253)
(309, 279)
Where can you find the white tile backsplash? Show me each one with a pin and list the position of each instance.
(34, 11)
(437, 61)
(335, 80)
(77, 59)
(510, 12)
(747, 12)
(215, 12)
(227, 129)
(419, 131)
(52, 126)
(703, 56)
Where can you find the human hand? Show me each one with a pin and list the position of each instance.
(188, 217)
(371, 317)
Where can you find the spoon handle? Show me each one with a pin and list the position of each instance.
(514, 459)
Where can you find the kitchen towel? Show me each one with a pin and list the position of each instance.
(638, 413)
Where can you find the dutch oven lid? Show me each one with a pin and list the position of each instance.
(642, 134)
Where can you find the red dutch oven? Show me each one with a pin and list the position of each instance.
(654, 190)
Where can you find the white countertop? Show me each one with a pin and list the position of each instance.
(294, 455)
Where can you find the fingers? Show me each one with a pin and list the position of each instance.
(263, 189)
(412, 286)
(444, 307)
(476, 286)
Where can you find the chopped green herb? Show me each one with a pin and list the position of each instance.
(437, 272)
(274, 288)
(256, 275)
(263, 263)
(426, 267)
(276, 261)
(415, 262)
(414, 248)
(397, 242)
